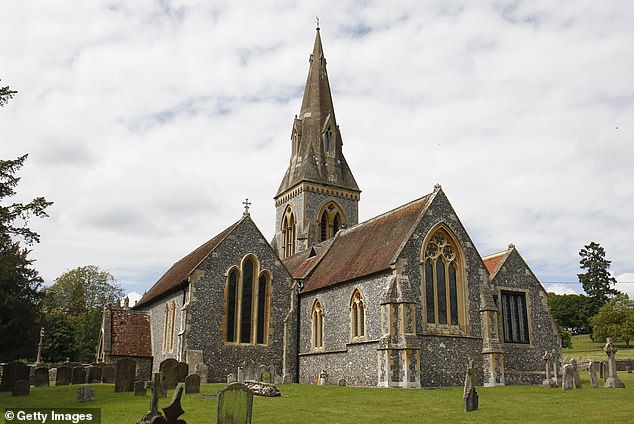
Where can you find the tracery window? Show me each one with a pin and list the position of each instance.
(317, 325)
(330, 221)
(288, 232)
(247, 303)
(515, 317)
(357, 316)
(442, 282)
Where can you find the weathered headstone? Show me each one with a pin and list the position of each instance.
(231, 378)
(592, 369)
(139, 388)
(79, 375)
(342, 382)
(41, 377)
(63, 376)
(86, 394)
(323, 378)
(52, 376)
(548, 381)
(235, 405)
(21, 388)
(555, 367)
(470, 395)
(169, 368)
(192, 384)
(266, 377)
(94, 374)
(154, 398)
(568, 377)
(183, 372)
(13, 372)
(124, 375)
(108, 374)
(576, 381)
(613, 381)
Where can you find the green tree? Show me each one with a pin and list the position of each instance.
(615, 319)
(59, 338)
(5, 95)
(81, 294)
(19, 281)
(596, 280)
(570, 310)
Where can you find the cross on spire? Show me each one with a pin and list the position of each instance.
(246, 204)
(317, 21)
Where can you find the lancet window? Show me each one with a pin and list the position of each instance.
(288, 232)
(317, 325)
(357, 316)
(330, 221)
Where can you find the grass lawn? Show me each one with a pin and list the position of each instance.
(584, 348)
(333, 404)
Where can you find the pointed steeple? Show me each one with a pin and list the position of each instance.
(317, 155)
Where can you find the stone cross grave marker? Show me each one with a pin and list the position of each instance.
(172, 411)
(21, 388)
(41, 377)
(86, 394)
(235, 405)
(169, 368)
(154, 398)
(470, 395)
(613, 381)
(107, 376)
(192, 384)
(12, 372)
(63, 376)
(548, 381)
(568, 377)
(124, 375)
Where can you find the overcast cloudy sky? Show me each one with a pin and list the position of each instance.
(148, 122)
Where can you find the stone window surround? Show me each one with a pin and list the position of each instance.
(289, 231)
(317, 327)
(358, 320)
(526, 292)
(330, 210)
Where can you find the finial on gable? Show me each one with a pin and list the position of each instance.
(511, 246)
(437, 187)
(246, 204)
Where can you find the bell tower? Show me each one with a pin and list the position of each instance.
(318, 195)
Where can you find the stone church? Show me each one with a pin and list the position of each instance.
(401, 300)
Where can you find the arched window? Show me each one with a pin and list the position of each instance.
(357, 316)
(331, 219)
(317, 324)
(173, 325)
(288, 232)
(247, 299)
(442, 283)
(328, 140)
(166, 326)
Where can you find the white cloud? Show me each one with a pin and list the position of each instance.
(625, 283)
(148, 123)
(559, 288)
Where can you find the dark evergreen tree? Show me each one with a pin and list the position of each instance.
(596, 280)
(6, 94)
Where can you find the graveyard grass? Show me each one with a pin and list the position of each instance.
(584, 348)
(333, 404)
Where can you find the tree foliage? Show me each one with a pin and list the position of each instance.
(570, 311)
(19, 281)
(80, 295)
(6, 94)
(596, 280)
(615, 319)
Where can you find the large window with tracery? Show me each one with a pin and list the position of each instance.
(515, 317)
(442, 283)
(288, 232)
(247, 303)
(357, 316)
(317, 326)
(330, 221)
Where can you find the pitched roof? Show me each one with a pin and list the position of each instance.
(494, 261)
(367, 248)
(180, 271)
(301, 264)
(131, 335)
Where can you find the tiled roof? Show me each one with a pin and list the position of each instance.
(131, 335)
(494, 261)
(301, 264)
(180, 271)
(366, 248)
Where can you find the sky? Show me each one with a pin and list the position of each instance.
(148, 122)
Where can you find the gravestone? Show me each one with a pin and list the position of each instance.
(613, 381)
(192, 384)
(169, 368)
(576, 381)
(13, 372)
(21, 388)
(63, 376)
(231, 378)
(470, 396)
(172, 411)
(124, 375)
(602, 374)
(86, 394)
(568, 377)
(235, 405)
(555, 367)
(139, 388)
(154, 398)
(342, 382)
(592, 369)
(79, 375)
(183, 372)
(107, 376)
(52, 376)
(548, 381)
(41, 377)
(94, 374)
(323, 378)
(266, 377)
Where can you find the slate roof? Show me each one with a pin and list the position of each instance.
(364, 249)
(131, 334)
(180, 271)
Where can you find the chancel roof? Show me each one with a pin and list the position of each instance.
(494, 261)
(364, 249)
(180, 271)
